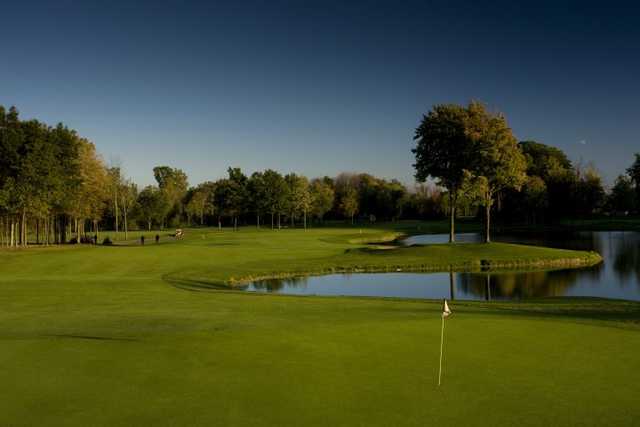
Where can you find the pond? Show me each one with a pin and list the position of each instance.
(617, 277)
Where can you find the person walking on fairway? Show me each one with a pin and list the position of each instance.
(142, 240)
(157, 238)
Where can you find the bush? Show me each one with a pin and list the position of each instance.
(73, 241)
(107, 241)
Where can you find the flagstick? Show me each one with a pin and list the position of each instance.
(441, 344)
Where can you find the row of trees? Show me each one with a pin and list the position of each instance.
(473, 154)
(54, 187)
(292, 199)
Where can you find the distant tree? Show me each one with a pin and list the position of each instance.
(349, 203)
(115, 184)
(231, 195)
(322, 196)
(541, 158)
(258, 195)
(443, 151)
(173, 184)
(275, 194)
(196, 206)
(92, 196)
(128, 195)
(535, 197)
(299, 197)
(634, 174)
(623, 195)
(153, 204)
(498, 162)
(587, 195)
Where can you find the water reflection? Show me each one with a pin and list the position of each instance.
(617, 277)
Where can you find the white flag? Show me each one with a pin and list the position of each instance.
(446, 312)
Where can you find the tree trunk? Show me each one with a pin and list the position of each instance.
(235, 223)
(24, 228)
(116, 212)
(219, 223)
(487, 223)
(488, 287)
(452, 217)
(272, 220)
(278, 221)
(452, 285)
(13, 227)
(126, 225)
(257, 220)
(305, 219)
(149, 223)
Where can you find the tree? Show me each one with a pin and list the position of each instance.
(196, 206)
(535, 197)
(322, 196)
(349, 203)
(623, 195)
(587, 195)
(498, 162)
(173, 184)
(92, 196)
(634, 174)
(153, 205)
(443, 151)
(299, 200)
(258, 192)
(275, 194)
(128, 195)
(115, 181)
(231, 195)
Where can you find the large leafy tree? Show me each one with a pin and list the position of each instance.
(443, 151)
(498, 162)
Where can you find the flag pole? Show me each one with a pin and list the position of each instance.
(441, 345)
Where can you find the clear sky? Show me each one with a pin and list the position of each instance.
(319, 87)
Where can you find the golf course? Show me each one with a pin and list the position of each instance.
(157, 334)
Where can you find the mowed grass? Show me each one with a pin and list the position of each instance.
(103, 336)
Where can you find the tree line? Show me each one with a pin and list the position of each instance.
(472, 153)
(55, 188)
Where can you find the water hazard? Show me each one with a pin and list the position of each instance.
(617, 277)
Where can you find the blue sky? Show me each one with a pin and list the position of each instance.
(319, 87)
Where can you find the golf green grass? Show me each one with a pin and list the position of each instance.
(132, 335)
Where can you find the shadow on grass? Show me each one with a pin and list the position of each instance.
(89, 337)
(583, 308)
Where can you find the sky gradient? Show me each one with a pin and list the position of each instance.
(319, 87)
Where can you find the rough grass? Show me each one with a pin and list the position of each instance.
(95, 336)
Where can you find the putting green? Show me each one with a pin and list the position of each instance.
(96, 336)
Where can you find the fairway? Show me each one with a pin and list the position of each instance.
(132, 335)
